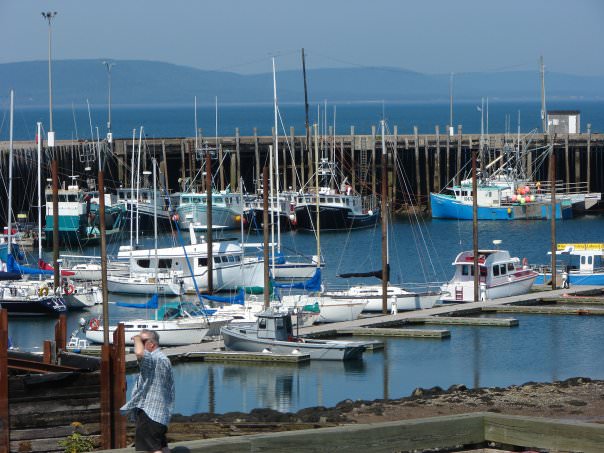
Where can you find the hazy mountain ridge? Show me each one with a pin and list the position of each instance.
(149, 82)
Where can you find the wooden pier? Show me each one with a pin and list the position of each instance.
(431, 160)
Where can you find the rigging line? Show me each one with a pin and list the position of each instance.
(257, 60)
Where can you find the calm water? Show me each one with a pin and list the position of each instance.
(542, 348)
(178, 121)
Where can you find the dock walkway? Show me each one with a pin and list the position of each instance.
(380, 320)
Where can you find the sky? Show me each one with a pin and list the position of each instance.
(428, 36)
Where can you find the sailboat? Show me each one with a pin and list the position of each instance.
(167, 283)
(17, 296)
(401, 297)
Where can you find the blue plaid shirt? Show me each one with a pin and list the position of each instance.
(153, 390)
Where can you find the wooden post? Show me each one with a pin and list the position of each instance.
(209, 239)
(589, 157)
(292, 139)
(238, 159)
(183, 162)
(475, 228)
(284, 165)
(427, 171)
(352, 163)
(567, 163)
(417, 175)
(529, 159)
(4, 410)
(118, 386)
(220, 166)
(577, 170)
(106, 429)
(257, 156)
(458, 169)
(373, 175)
(61, 333)
(437, 186)
(48, 352)
(164, 166)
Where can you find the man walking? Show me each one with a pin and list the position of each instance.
(152, 399)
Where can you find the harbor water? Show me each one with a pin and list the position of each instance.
(541, 348)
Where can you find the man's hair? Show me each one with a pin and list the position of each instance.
(153, 335)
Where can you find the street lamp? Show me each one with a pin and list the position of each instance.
(109, 65)
(49, 15)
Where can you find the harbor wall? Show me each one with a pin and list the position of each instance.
(417, 164)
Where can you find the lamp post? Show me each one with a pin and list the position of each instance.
(49, 15)
(109, 65)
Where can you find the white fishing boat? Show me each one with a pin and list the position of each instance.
(273, 333)
(333, 306)
(500, 275)
(578, 263)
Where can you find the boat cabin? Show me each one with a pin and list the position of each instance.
(223, 198)
(582, 258)
(274, 325)
(494, 266)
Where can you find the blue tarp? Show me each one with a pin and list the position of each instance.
(238, 298)
(312, 284)
(13, 266)
(151, 303)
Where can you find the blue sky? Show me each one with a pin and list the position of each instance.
(427, 36)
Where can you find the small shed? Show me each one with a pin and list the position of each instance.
(564, 121)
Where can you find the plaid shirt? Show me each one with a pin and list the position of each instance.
(153, 390)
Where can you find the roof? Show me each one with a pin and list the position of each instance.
(564, 112)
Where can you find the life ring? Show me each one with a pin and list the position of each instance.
(94, 324)
(524, 262)
(43, 291)
(69, 289)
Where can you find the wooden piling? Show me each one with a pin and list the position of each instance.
(373, 172)
(427, 171)
(418, 191)
(238, 161)
(352, 149)
(437, 186)
(257, 158)
(459, 151)
(567, 162)
(292, 140)
(447, 156)
(4, 412)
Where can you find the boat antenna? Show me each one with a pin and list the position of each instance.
(306, 123)
(543, 108)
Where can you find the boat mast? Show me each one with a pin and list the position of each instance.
(451, 128)
(543, 108)
(39, 191)
(317, 195)
(138, 178)
(475, 227)
(10, 172)
(265, 235)
(131, 207)
(154, 163)
(307, 125)
(276, 211)
(209, 240)
(385, 270)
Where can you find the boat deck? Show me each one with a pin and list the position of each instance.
(380, 320)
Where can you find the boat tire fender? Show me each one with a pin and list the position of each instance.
(69, 289)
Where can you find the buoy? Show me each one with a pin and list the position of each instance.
(514, 198)
(509, 211)
(532, 197)
(522, 200)
(94, 324)
(527, 198)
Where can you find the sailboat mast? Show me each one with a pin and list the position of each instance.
(451, 128)
(210, 239)
(154, 163)
(385, 270)
(307, 125)
(39, 191)
(276, 211)
(265, 236)
(272, 204)
(543, 108)
(196, 129)
(10, 173)
(138, 178)
(131, 206)
(317, 195)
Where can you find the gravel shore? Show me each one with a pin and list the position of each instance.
(575, 398)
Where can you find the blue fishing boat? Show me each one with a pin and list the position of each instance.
(580, 264)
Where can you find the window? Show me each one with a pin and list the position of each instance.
(225, 259)
(510, 267)
(465, 269)
(496, 270)
(502, 269)
(582, 259)
(590, 260)
(279, 322)
(146, 264)
(231, 258)
(217, 260)
(164, 263)
(202, 262)
(330, 200)
(262, 324)
(322, 200)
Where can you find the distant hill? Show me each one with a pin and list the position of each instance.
(148, 82)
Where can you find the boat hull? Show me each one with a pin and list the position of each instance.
(144, 285)
(195, 215)
(332, 218)
(38, 307)
(171, 333)
(516, 287)
(596, 279)
(235, 339)
(447, 207)
(331, 308)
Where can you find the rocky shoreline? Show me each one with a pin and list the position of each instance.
(575, 398)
